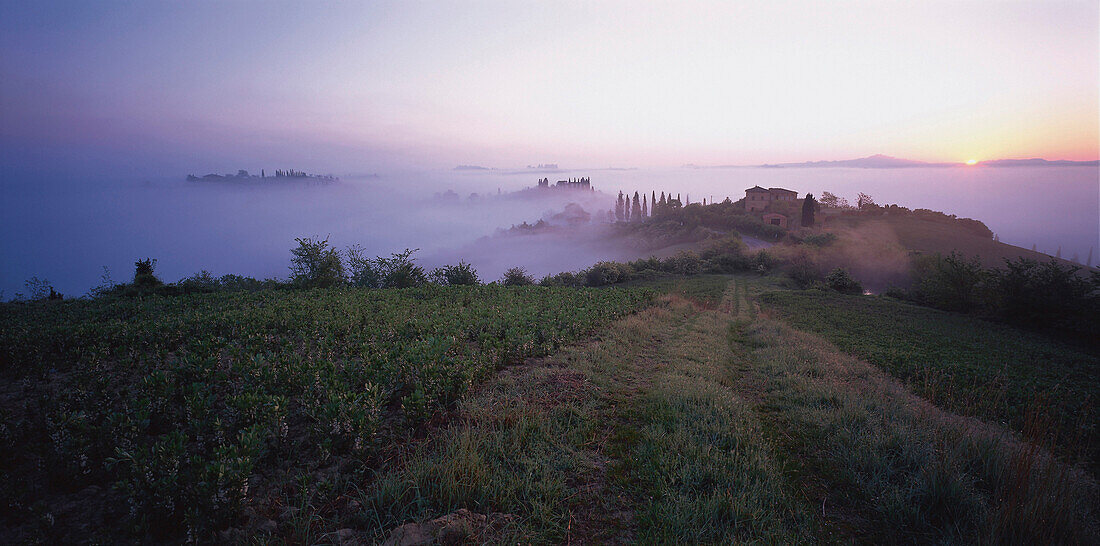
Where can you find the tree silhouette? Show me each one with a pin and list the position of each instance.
(636, 210)
(619, 208)
(808, 206)
(645, 212)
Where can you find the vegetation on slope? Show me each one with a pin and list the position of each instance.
(686, 423)
(173, 416)
(964, 364)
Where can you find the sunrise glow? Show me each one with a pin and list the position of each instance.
(971, 161)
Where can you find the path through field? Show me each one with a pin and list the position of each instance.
(704, 420)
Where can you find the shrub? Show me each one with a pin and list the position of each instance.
(605, 273)
(804, 272)
(1050, 295)
(517, 276)
(763, 262)
(951, 282)
(316, 264)
(819, 239)
(684, 263)
(361, 269)
(399, 271)
(144, 278)
(41, 290)
(839, 280)
(462, 274)
(566, 278)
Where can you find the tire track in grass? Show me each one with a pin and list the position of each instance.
(885, 465)
(636, 436)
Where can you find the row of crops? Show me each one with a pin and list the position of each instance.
(172, 404)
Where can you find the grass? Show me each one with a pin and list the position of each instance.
(688, 423)
(887, 466)
(963, 364)
(701, 419)
(631, 437)
(183, 416)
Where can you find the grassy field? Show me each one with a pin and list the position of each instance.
(173, 417)
(691, 423)
(964, 364)
(701, 416)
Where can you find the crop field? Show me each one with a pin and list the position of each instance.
(963, 364)
(168, 417)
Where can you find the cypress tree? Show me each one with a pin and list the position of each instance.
(619, 208)
(645, 212)
(808, 206)
(636, 211)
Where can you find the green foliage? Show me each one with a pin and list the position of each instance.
(952, 282)
(838, 279)
(462, 274)
(361, 269)
(962, 363)
(804, 272)
(316, 264)
(41, 290)
(820, 239)
(808, 208)
(1049, 295)
(144, 279)
(567, 278)
(517, 276)
(605, 273)
(178, 404)
(399, 271)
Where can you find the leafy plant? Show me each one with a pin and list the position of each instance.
(316, 264)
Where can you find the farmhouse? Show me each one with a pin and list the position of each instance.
(757, 198)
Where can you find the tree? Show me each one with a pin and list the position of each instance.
(619, 208)
(828, 199)
(864, 201)
(400, 271)
(839, 280)
(636, 210)
(517, 276)
(361, 269)
(316, 264)
(455, 275)
(653, 203)
(808, 206)
(645, 211)
(143, 274)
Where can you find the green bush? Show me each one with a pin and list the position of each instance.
(839, 280)
(605, 273)
(819, 239)
(517, 276)
(316, 264)
(462, 274)
(399, 271)
(952, 282)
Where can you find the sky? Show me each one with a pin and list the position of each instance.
(168, 87)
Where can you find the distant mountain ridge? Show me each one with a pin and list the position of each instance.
(1038, 162)
(880, 161)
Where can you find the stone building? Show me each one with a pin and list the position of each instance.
(757, 198)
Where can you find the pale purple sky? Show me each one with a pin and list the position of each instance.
(340, 87)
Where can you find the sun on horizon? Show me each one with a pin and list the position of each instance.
(971, 161)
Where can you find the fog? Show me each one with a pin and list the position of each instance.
(67, 233)
(66, 229)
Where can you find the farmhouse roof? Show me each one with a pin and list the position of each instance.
(783, 189)
(757, 188)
